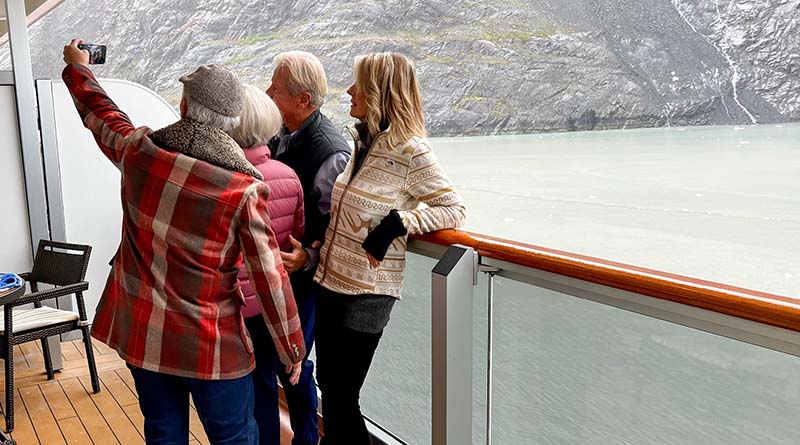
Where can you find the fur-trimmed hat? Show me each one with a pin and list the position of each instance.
(216, 88)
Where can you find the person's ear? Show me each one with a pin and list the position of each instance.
(304, 99)
(182, 107)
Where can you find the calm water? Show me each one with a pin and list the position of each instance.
(719, 203)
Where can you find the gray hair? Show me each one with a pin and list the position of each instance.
(260, 119)
(305, 74)
(200, 113)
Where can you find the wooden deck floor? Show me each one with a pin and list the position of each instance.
(64, 410)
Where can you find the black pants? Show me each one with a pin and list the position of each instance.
(343, 360)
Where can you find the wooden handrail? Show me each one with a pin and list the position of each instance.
(761, 307)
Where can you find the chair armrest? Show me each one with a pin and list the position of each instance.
(25, 275)
(50, 293)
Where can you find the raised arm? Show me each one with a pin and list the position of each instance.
(109, 125)
(268, 277)
(429, 184)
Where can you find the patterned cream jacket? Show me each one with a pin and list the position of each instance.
(405, 177)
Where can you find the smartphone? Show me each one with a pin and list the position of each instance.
(97, 53)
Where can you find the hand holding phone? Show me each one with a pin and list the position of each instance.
(74, 55)
(97, 53)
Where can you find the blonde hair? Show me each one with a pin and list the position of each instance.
(304, 74)
(260, 119)
(389, 83)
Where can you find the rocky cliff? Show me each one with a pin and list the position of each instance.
(485, 66)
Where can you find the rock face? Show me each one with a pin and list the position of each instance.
(485, 66)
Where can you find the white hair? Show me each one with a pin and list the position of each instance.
(259, 121)
(199, 113)
(305, 74)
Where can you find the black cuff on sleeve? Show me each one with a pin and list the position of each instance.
(379, 239)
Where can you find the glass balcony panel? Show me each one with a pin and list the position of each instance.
(397, 393)
(572, 371)
(5, 53)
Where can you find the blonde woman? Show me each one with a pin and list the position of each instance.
(375, 205)
(260, 120)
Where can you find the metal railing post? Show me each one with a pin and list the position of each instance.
(452, 280)
(490, 272)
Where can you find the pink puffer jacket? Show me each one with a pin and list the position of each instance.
(285, 206)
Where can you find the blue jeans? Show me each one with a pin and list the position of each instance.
(225, 408)
(301, 398)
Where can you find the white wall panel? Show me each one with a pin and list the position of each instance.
(15, 244)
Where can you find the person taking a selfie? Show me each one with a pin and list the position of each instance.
(193, 207)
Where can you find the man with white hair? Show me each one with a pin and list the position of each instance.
(192, 207)
(311, 145)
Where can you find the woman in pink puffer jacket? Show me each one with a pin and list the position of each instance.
(260, 120)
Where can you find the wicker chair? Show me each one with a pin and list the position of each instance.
(64, 266)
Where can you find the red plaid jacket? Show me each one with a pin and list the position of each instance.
(171, 303)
